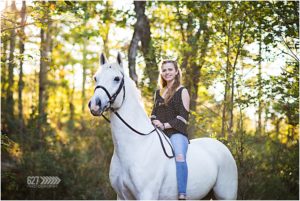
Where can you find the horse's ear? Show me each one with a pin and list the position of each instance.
(119, 59)
(102, 59)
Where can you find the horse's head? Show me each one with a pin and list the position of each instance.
(109, 91)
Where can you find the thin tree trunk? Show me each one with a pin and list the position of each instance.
(240, 126)
(259, 129)
(105, 35)
(21, 82)
(45, 60)
(227, 86)
(70, 93)
(11, 66)
(84, 67)
(277, 127)
(239, 47)
(84, 61)
(4, 80)
(230, 128)
(241, 138)
(3, 88)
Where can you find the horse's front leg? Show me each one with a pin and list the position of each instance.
(148, 191)
(147, 195)
(125, 195)
(146, 185)
(120, 197)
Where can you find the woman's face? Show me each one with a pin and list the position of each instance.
(168, 72)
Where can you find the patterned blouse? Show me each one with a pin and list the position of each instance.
(173, 113)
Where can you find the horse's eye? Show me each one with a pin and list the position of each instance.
(117, 79)
(95, 79)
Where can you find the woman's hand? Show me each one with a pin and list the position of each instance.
(158, 124)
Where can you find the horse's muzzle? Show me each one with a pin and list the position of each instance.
(95, 109)
(96, 113)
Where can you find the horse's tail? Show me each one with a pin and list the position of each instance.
(227, 180)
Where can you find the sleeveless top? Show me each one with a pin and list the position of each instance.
(173, 113)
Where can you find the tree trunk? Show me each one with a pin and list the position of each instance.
(227, 86)
(70, 93)
(11, 66)
(84, 63)
(4, 80)
(105, 35)
(239, 47)
(21, 82)
(132, 52)
(192, 63)
(277, 127)
(45, 59)
(259, 129)
(84, 67)
(142, 33)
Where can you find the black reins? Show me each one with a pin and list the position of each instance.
(112, 100)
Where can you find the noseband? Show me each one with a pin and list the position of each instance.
(112, 100)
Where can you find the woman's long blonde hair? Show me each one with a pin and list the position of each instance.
(176, 84)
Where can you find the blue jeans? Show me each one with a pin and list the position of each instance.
(180, 144)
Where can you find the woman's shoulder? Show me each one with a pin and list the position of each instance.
(158, 94)
(156, 91)
(183, 93)
(179, 92)
(181, 88)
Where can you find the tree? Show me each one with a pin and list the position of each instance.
(45, 60)
(4, 69)
(235, 34)
(195, 39)
(105, 25)
(142, 34)
(21, 82)
(11, 65)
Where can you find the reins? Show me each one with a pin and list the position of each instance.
(143, 134)
(112, 100)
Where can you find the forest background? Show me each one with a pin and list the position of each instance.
(240, 63)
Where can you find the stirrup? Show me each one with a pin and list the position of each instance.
(181, 196)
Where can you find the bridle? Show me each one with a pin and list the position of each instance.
(111, 101)
(115, 95)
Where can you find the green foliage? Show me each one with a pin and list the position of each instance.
(82, 164)
(285, 92)
(267, 169)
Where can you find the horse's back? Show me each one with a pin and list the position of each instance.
(210, 146)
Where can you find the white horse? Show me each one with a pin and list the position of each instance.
(139, 168)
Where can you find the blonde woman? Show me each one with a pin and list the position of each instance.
(170, 113)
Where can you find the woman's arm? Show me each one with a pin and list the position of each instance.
(185, 99)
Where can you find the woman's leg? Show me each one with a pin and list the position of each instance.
(180, 144)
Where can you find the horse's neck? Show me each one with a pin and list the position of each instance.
(128, 143)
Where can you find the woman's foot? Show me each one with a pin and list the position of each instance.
(181, 196)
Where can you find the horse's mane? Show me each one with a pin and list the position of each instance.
(134, 91)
